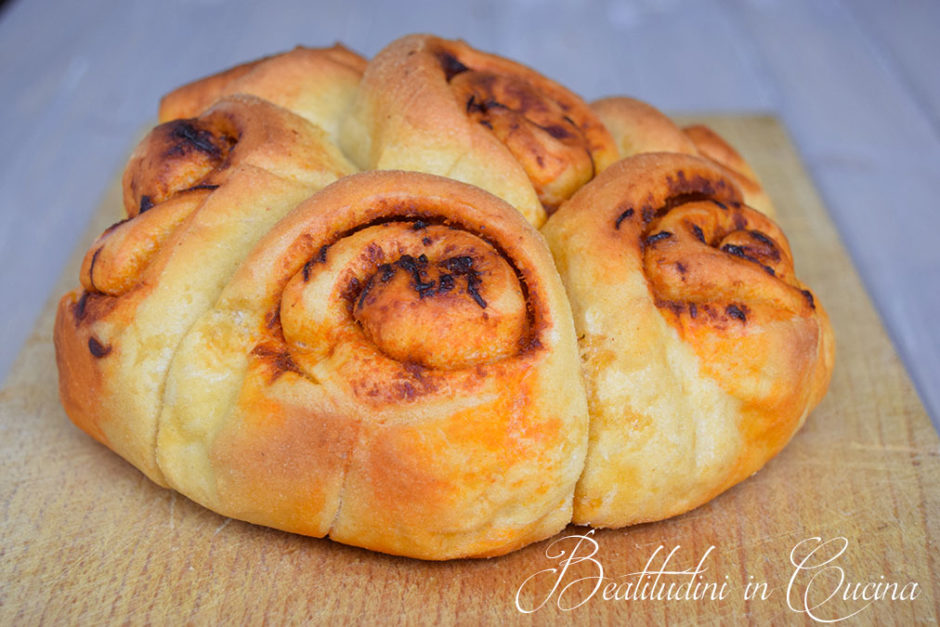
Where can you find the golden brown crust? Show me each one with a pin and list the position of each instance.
(291, 411)
(638, 127)
(214, 183)
(439, 106)
(702, 352)
(317, 84)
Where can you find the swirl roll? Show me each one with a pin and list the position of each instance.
(391, 366)
(702, 351)
(198, 194)
(442, 107)
(638, 127)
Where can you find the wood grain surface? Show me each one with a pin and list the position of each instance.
(87, 539)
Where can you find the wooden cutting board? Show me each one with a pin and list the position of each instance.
(87, 539)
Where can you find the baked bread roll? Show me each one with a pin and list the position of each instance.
(638, 127)
(198, 194)
(390, 358)
(702, 351)
(393, 365)
(318, 84)
(439, 106)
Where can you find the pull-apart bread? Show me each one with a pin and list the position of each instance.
(395, 358)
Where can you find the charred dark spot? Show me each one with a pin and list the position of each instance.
(487, 124)
(459, 265)
(365, 291)
(406, 390)
(767, 247)
(623, 216)
(388, 271)
(320, 258)
(451, 65)
(473, 283)
(681, 268)
(351, 290)
(91, 269)
(418, 225)
(375, 254)
(678, 199)
(648, 213)
(737, 251)
(145, 204)
(415, 268)
(426, 241)
(673, 306)
(463, 266)
(529, 344)
(735, 312)
(483, 106)
(721, 205)
(273, 318)
(279, 359)
(200, 139)
(445, 283)
(415, 370)
(693, 310)
(809, 298)
(557, 131)
(78, 309)
(699, 185)
(740, 251)
(763, 239)
(652, 239)
(98, 349)
(205, 186)
(697, 231)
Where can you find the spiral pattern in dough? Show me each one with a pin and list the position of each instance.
(198, 193)
(439, 106)
(702, 352)
(390, 366)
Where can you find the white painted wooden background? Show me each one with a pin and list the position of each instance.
(856, 82)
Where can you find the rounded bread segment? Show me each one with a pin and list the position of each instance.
(638, 127)
(701, 360)
(432, 105)
(147, 279)
(283, 409)
(317, 84)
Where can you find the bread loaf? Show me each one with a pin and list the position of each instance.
(391, 358)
